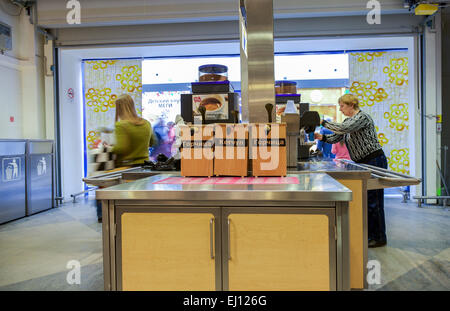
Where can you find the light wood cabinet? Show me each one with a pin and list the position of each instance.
(239, 249)
(167, 251)
(279, 252)
(292, 251)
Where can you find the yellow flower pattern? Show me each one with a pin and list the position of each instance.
(368, 57)
(104, 81)
(368, 93)
(93, 138)
(398, 116)
(101, 64)
(100, 99)
(381, 137)
(130, 78)
(380, 81)
(399, 160)
(397, 70)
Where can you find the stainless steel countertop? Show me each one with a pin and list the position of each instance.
(140, 172)
(311, 187)
(334, 168)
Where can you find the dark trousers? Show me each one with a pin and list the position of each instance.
(375, 206)
(99, 208)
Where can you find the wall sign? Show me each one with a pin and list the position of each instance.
(42, 167)
(70, 94)
(11, 169)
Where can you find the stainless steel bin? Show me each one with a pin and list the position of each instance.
(39, 175)
(12, 183)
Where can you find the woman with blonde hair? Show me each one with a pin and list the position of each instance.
(134, 135)
(359, 135)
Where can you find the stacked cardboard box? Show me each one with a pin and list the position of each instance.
(234, 149)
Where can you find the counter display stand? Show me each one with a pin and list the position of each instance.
(197, 237)
(357, 177)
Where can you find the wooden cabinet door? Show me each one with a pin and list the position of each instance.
(167, 252)
(280, 252)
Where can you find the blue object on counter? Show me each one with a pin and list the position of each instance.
(325, 147)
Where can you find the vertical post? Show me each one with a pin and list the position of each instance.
(257, 62)
(431, 105)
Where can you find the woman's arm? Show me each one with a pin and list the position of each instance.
(349, 125)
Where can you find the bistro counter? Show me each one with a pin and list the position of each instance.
(352, 176)
(167, 232)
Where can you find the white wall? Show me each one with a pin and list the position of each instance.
(71, 120)
(10, 105)
(21, 80)
(10, 84)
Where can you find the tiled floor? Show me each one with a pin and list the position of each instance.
(35, 250)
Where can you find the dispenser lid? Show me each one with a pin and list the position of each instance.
(213, 68)
(290, 107)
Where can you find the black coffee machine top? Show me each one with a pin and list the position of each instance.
(309, 121)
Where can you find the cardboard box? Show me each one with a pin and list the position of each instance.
(231, 150)
(267, 149)
(197, 150)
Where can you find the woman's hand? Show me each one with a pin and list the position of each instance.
(318, 136)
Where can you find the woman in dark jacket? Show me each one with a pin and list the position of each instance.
(359, 135)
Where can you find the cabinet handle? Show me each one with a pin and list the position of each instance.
(229, 240)
(211, 237)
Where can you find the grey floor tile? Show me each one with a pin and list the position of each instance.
(432, 275)
(91, 279)
(416, 231)
(416, 258)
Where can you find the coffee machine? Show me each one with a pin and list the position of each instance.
(292, 119)
(297, 128)
(214, 93)
(308, 123)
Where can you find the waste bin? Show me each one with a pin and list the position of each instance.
(39, 175)
(12, 184)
